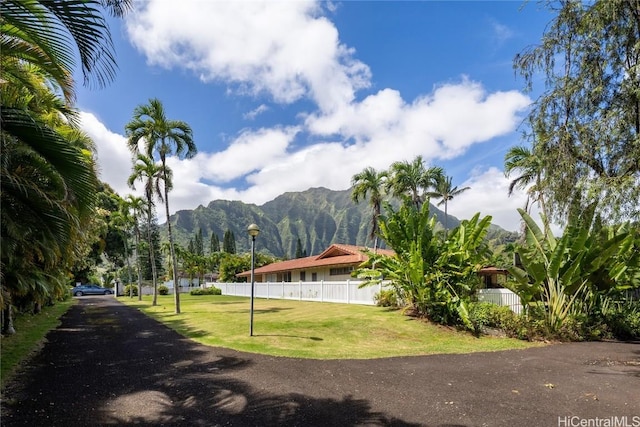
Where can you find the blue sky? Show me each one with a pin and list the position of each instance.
(284, 96)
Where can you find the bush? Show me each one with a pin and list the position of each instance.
(484, 315)
(386, 298)
(206, 291)
(624, 321)
(621, 322)
(163, 290)
(131, 288)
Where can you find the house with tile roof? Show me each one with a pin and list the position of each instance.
(300, 279)
(334, 264)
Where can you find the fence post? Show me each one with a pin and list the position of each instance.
(348, 291)
(282, 290)
(322, 291)
(299, 290)
(267, 290)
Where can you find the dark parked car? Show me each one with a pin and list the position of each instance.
(90, 290)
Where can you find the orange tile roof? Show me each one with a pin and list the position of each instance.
(336, 254)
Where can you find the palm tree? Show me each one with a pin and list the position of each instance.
(51, 34)
(151, 174)
(122, 219)
(529, 167)
(412, 180)
(445, 191)
(48, 176)
(165, 249)
(48, 182)
(137, 207)
(370, 182)
(163, 137)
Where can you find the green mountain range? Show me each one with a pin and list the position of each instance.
(318, 217)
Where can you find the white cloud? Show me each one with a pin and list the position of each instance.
(501, 32)
(381, 129)
(113, 155)
(489, 196)
(440, 125)
(251, 115)
(286, 49)
(250, 151)
(289, 51)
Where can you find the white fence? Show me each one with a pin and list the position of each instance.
(347, 292)
(501, 296)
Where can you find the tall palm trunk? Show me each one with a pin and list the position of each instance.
(446, 220)
(137, 255)
(126, 255)
(152, 256)
(176, 283)
(7, 326)
(375, 227)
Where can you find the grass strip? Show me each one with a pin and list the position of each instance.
(29, 337)
(311, 329)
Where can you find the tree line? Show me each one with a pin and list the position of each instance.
(49, 213)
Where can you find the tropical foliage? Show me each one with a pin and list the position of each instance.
(162, 137)
(444, 190)
(232, 264)
(47, 172)
(579, 274)
(412, 180)
(435, 277)
(581, 167)
(370, 183)
(432, 273)
(585, 125)
(152, 175)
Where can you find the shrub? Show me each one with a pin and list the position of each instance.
(479, 316)
(621, 322)
(624, 321)
(484, 315)
(207, 291)
(386, 298)
(131, 288)
(163, 290)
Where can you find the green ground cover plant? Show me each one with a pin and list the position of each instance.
(206, 291)
(313, 330)
(32, 330)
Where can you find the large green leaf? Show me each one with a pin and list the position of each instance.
(557, 257)
(534, 236)
(68, 161)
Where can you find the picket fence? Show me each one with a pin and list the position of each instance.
(501, 296)
(346, 292)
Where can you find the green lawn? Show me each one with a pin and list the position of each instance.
(311, 329)
(31, 330)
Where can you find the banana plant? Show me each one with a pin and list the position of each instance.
(561, 272)
(435, 277)
(410, 233)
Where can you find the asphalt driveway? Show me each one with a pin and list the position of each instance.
(108, 364)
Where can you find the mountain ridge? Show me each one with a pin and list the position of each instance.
(318, 216)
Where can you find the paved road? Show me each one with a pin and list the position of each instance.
(108, 364)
